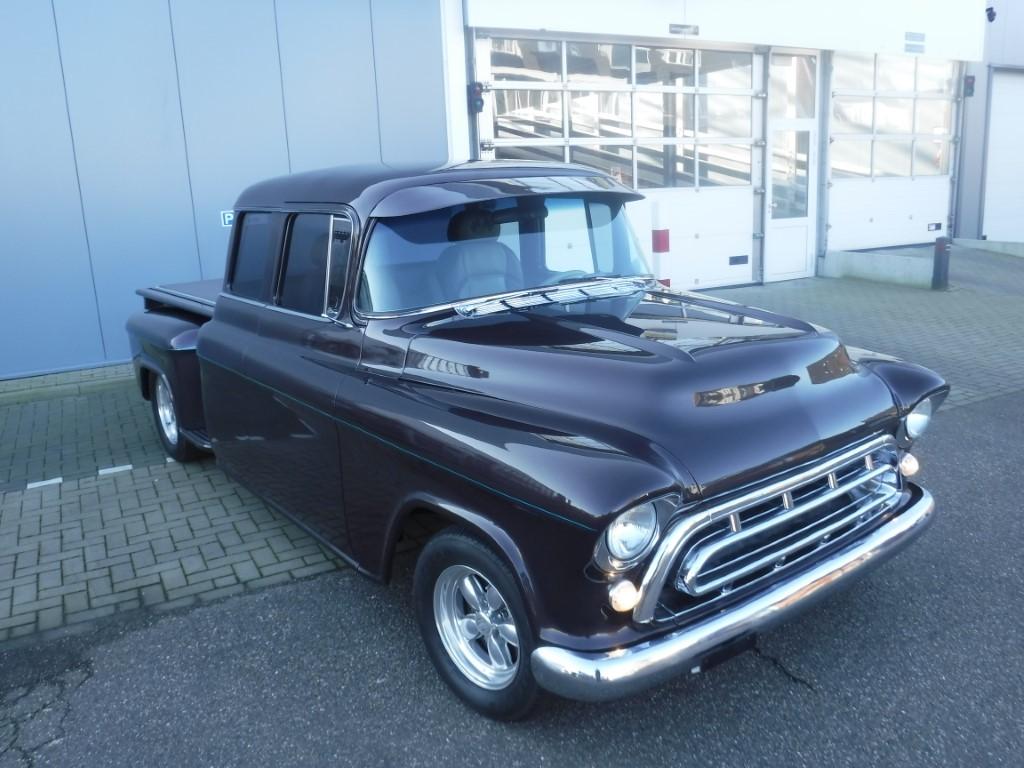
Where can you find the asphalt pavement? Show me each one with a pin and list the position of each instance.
(919, 664)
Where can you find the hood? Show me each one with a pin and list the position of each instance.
(734, 394)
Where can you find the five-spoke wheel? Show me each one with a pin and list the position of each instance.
(473, 619)
(476, 627)
(165, 416)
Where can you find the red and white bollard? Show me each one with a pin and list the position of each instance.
(659, 239)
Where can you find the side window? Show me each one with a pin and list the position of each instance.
(254, 256)
(305, 265)
(341, 247)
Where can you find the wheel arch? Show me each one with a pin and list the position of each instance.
(443, 514)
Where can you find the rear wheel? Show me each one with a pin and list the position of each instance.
(165, 416)
(473, 620)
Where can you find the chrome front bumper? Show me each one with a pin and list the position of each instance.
(624, 671)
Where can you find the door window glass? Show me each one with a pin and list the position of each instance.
(665, 165)
(610, 106)
(790, 156)
(341, 247)
(305, 266)
(599, 113)
(723, 165)
(850, 158)
(527, 60)
(792, 85)
(722, 115)
(664, 66)
(726, 69)
(527, 114)
(851, 114)
(904, 105)
(664, 114)
(597, 62)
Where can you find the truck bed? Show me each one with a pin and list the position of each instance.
(197, 297)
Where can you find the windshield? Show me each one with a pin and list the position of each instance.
(497, 246)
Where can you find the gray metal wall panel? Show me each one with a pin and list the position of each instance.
(409, 57)
(47, 304)
(329, 88)
(231, 105)
(123, 102)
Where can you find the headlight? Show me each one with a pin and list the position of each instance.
(631, 534)
(918, 419)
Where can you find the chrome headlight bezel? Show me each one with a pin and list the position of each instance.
(916, 422)
(656, 512)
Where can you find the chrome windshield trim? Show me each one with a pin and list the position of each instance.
(566, 293)
(659, 570)
(638, 282)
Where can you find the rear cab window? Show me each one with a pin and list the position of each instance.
(255, 256)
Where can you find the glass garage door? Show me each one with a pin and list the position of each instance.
(890, 149)
(679, 124)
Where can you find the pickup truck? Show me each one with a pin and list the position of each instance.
(622, 482)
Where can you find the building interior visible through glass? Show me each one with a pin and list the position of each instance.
(657, 117)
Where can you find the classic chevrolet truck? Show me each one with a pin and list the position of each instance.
(623, 482)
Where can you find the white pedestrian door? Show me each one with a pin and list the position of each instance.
(792, 149)
(1004, 167)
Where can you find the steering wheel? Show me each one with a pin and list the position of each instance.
(561, 277)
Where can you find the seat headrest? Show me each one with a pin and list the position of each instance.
(472, 224)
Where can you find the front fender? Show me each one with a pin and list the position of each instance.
(909, 383)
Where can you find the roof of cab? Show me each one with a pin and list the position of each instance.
(366, 187)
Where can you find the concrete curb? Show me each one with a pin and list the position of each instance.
(992, 246)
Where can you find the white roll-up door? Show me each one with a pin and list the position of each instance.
(1004, 164)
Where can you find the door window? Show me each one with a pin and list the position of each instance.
(790, 156)
(305, 266)
(792, 85)
(254, 256)
(341, 247)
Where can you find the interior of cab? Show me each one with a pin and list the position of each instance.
(492, 247)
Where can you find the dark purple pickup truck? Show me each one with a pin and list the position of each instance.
(622, 482)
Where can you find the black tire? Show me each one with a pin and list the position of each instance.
(457, 547)
(179, 449)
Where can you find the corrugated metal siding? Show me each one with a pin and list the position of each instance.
(127, 126)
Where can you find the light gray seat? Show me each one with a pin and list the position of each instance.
(477, 264)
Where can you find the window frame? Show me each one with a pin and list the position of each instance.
(270, 269)
(567, 143)
(873, 136)
(357, 261)
(284, 216)
(282, 263)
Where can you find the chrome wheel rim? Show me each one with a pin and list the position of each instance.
(165, 411)
(476, 627)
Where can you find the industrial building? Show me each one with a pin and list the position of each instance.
(763, 134)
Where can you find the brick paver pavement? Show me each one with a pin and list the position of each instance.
(106, 538)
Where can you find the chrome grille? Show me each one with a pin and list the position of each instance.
(761, 533)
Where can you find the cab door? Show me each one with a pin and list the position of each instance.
(302, 356)
(230, 395)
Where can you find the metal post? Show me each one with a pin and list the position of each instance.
(940, 264)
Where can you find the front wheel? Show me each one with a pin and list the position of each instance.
(473, 620)
(165, 416)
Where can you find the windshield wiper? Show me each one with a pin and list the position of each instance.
(580, 289)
